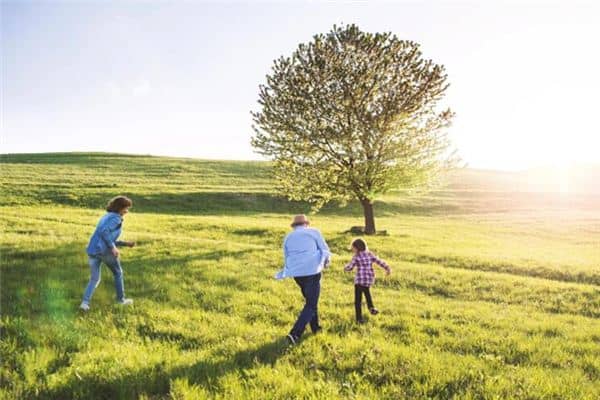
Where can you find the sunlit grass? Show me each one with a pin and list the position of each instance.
(490, 297)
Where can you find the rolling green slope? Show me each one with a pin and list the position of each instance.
(494, 292)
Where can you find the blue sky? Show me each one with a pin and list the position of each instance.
(180, 78)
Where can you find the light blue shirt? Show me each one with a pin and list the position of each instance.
(106, 234)
(305, 253)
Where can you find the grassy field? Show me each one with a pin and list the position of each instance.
(495, 291)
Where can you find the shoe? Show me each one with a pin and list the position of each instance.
(292, 339)
(373, 311)
(360, 321)
(125, 302)
(319, 329)
(84, 306)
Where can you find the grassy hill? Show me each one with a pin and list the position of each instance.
(494, 292)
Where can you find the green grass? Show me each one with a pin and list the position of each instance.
(494, 293)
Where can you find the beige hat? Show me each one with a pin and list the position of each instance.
(300, 219)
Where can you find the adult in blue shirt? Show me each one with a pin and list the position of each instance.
(305, 255)
(103, 248)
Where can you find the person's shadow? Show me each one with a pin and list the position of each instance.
(155, 380)
(206, 372)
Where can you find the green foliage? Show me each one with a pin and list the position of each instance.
(352, 115)
(492, 296)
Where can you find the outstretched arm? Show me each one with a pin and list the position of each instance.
(285, 252)
(381, 263)
(351, 264)
(281, 273)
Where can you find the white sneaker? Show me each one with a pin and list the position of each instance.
(84, 306)
(292, 339)
(126, 302)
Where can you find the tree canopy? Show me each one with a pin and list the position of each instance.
(352, 115)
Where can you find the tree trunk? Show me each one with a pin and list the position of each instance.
(369, 217)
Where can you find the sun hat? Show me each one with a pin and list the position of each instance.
(299, 219)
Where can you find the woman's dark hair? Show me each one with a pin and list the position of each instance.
(116, 204)
(359, 244)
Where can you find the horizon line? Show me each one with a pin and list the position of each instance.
(467, 167)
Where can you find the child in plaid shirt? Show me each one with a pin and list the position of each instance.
(365, 276)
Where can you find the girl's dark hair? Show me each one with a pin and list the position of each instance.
(359, 244)
(116, 204)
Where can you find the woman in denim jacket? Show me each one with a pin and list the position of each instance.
(103, 247)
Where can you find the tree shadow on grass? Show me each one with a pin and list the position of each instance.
(236, 203)
(252, 232)
(233, 203)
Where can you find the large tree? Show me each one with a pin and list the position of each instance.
(352, 115)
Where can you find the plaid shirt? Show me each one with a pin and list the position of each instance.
(363, 260)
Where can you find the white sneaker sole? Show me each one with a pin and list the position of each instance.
(291, 339)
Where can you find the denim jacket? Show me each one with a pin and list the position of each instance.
(106, 234)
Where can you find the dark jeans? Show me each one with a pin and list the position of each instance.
(358, 291)
(311, 288)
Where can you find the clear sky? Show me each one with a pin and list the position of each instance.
(180, 77)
